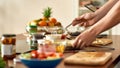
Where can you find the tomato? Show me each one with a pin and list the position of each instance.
(34, 54)
(50, 54)
(61, 54)
(63, 36)
(42, 56)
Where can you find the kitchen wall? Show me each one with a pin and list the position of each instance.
(15, 14)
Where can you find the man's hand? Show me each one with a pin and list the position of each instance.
(86, 20)
(84, 39)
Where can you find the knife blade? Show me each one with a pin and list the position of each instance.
(71, 49)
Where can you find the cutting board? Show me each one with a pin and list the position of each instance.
(101, 41)
(97, 42)
(88, 58)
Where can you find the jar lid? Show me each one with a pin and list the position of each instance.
(9, 35)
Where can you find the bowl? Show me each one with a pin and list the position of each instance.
(51, 30)
(75, 30)
(74, 33)
(54, 36)
(55, 30)
(37, 63)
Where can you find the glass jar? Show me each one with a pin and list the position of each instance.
(32, 40)
(31, 29)
(34, 44)
(46, 46)
(8, 50)
(41, 44)
(60, 46)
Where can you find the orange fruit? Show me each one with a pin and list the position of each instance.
(58, 24)
(53, 20)
(42, 23)
(50, 23)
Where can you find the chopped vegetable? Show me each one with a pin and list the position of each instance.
(26, 56)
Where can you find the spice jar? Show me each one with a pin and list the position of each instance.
(34, 43)
(31, 29)
(8, 50)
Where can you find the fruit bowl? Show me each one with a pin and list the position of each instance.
(51, 30)
(46, 24)
(37, 63)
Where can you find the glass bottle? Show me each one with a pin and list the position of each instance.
(8, 50)
(34, 43)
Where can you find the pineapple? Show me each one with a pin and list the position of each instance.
(47, 13)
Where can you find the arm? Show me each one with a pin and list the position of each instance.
(111, 19)
(89, 19)
(104, 9)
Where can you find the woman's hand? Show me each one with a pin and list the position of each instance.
(84, 39)
(86, 20)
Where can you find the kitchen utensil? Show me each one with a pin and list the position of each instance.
(89, 58)
(74, 30)
(70, 49)
(66, 28)
(98, 49)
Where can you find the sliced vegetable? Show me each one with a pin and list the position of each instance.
(34, 54)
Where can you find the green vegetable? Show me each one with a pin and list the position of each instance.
(26, 56)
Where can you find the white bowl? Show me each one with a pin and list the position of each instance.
(54, 37)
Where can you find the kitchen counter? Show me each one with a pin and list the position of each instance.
(110, 64)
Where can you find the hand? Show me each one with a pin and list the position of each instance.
(84, 39)
(86, 20)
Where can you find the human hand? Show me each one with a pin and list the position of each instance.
(84, 39)
(86, 20)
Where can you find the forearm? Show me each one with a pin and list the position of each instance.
(104, 10)
(111, 19)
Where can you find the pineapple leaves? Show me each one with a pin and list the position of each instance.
(47, 12)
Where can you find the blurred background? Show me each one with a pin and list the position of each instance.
(15, 14)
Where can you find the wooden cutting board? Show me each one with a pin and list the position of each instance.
(101, 41)
(97, 42)
(89, 58)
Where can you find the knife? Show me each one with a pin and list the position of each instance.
(70, 49)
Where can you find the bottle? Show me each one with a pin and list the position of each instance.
(32, 29)
(8, 50)
(34, 43)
